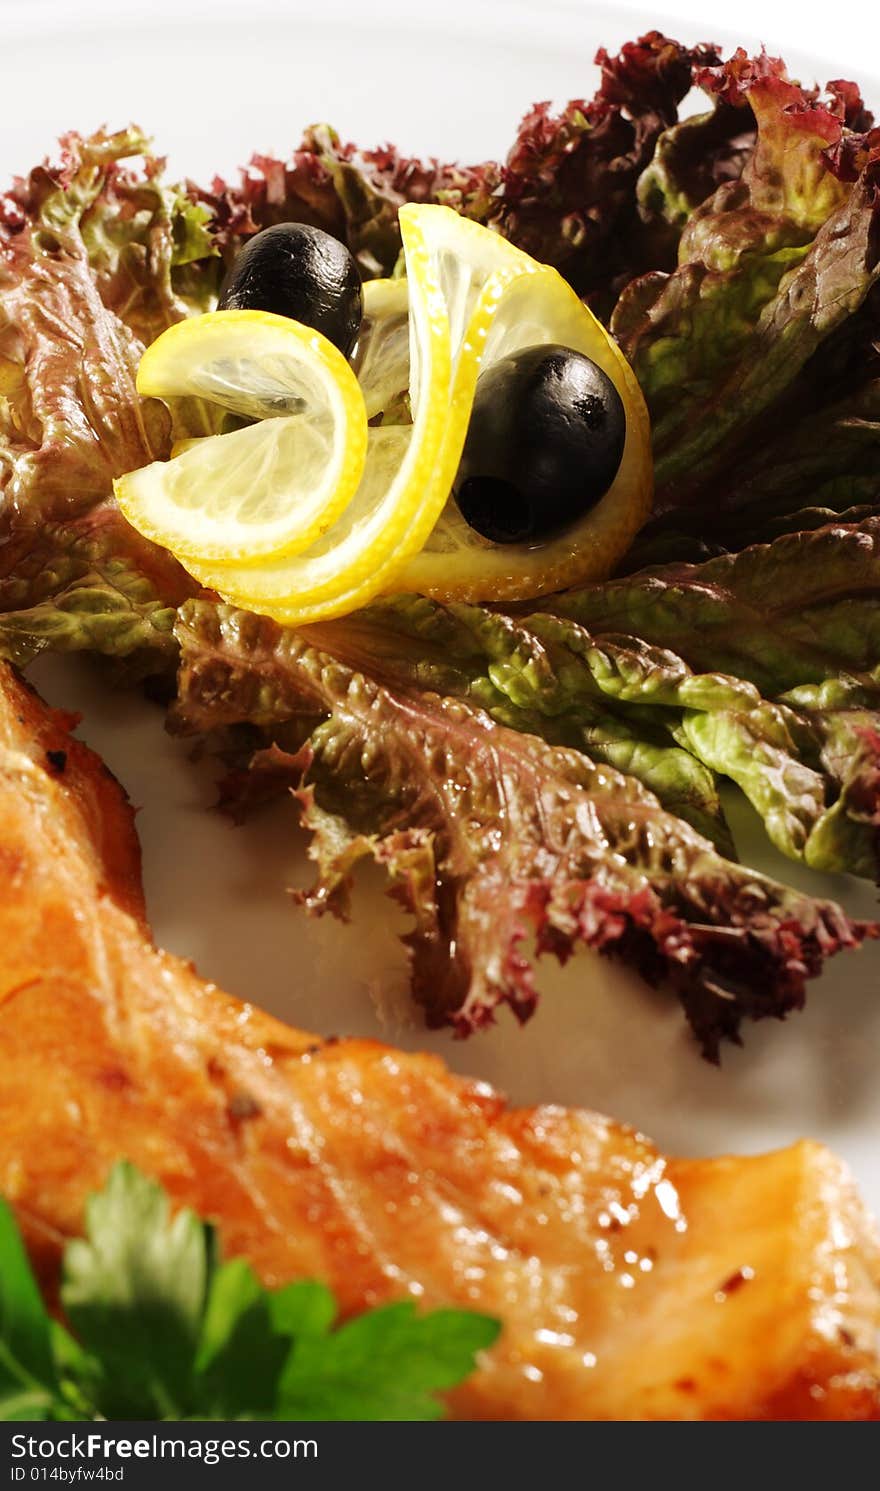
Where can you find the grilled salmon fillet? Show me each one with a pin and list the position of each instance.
(630, 1286)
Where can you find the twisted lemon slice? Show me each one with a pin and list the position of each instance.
(457, 563)
(273, 487)
(331, 512)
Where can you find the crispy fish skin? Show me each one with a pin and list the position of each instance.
(630, 1286)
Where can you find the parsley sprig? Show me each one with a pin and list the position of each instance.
(164, 1329)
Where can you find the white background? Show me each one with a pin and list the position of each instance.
(213, 81)
(216, 79)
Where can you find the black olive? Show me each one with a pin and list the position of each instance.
(544, 444)
(301, 272)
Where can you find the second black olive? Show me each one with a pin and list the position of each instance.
(544, 444)
(295, 270)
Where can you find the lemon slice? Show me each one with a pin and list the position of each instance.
(498, 301)
(382, 357)
(272, 487)
(456, 562)
(381, 363)
(404, 474)
(469, 298)
(459, 283)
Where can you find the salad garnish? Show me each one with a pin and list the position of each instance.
(494, 829)
(310, 513)
(736, 255)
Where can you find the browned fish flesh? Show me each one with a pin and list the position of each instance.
(630, 1286)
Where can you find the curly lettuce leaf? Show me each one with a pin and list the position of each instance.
(798, 621)
(146, 242)
(93, 585)
(70, 419)
(848, 833)
(791, 767)
(638, 707)
(352, 193)
(692, 159)
(801, 610)
(819, 462)
(421, 783)
(569, 689)
(569, 194)
(89, 254)
(730, 348)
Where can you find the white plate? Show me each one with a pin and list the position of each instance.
(212, 86)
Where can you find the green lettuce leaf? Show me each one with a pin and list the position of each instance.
(420, 783)
(90, 251)
(756, 334)
(570, 689)
(146, 243)
(641, 708)
(91, 586)
(819, 463)
(798, 621)
(70, 419)
(801, 610)
(692, 159)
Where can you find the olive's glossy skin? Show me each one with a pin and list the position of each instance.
(544, 444)
(302, 272)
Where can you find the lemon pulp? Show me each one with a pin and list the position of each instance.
(310, 513)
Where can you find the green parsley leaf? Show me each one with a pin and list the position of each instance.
(28, 1383)
(240, 1353)
(305, 1308)
(166, 1331)
(234, 1291)
(79, 1376)
(247, 1338)
(134, 1290)
(386, 1364)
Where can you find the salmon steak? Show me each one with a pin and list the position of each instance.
(629, 1285)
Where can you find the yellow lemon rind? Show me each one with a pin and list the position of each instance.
(163, 372)
(289, 588)
(589, 549)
